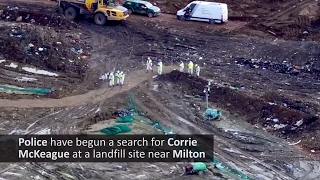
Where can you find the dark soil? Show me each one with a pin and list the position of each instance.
(254, 110)
(55, 56)
(57, 44)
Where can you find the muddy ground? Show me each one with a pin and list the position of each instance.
(289, 19)
(278, 82)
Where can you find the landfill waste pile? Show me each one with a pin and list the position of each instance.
(285, 67)
(263, 106)
(289, 119)
(32, 47)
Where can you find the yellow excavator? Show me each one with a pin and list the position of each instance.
(100, 10)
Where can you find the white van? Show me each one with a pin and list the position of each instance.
(211, 12)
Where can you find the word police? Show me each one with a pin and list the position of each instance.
(34, 142)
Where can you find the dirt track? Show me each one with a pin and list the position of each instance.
(94, 96)
(277, 79)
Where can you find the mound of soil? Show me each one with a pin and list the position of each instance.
(34, 14)
(254, 110)
(42, 47)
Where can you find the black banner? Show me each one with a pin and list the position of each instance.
(106, 148)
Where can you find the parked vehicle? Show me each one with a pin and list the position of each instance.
(141, 7)
(211, 12)
(101, 11)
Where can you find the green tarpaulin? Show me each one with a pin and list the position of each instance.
(40, 91)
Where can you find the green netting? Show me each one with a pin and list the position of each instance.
(113, 130)
(199, 166)
(40, 91)
(125, 119)
(131, 104)
(158, 126)
(124, 128)
(223, 167)
(116, 129)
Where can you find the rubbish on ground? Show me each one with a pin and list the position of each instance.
(12, 65)
(292, 144)
(24, 79)
(15, 33)
(284, 67)
(275, 120)
(279, 126)
(159, 127)
(36, 71)
(299, 123)
(19, 19)
(228, 86)
(76, 50)
(123, 112)
(12, 8)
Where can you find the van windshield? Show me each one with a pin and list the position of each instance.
(148, 5)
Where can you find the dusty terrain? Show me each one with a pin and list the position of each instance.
(269, 129)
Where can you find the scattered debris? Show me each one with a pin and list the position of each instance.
(292, 144)
(123, 112)
(37, 71)
(24, 79)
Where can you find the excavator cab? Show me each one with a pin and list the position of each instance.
(111, 3)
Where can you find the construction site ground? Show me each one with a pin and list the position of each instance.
(269, 51)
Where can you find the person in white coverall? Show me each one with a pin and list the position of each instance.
(111, 79)
(190, 67)
(149, 64)
(197, 70)
(122, 76)
(160, 67)
(181, 66)
(118, 77)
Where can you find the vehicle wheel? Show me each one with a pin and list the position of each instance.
(150, 15)
(70, 13)
(59, 10)
(211, 21)
(100, 19)
(181, 18)
(200, 173)
(130, 11)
